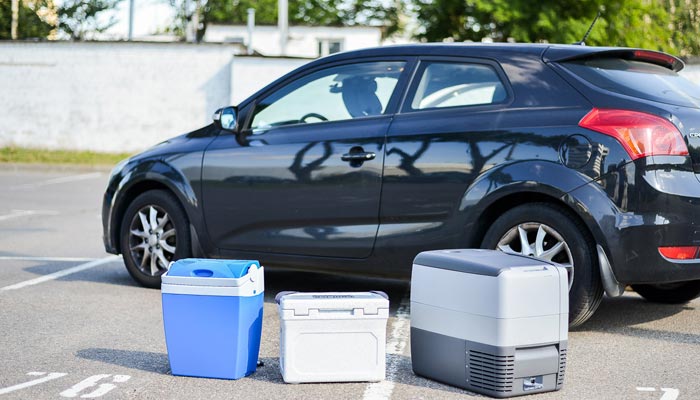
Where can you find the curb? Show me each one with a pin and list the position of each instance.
(39, 167)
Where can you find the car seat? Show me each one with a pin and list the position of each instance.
(359, 96)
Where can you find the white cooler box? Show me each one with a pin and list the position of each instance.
(333, 337)
(489, 322)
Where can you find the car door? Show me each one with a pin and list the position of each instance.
(444, 135)
(304, 175)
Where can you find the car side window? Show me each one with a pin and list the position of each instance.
(453, 84)
(332, 94)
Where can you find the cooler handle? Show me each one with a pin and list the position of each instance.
(279, 295)
(202, 273)
(379, 292)
(254, 268)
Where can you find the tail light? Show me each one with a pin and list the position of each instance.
(641, 134)
(679, 252)
(657, 58)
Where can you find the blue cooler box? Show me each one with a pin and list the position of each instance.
(212, 314)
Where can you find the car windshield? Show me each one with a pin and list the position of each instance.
(638, 79)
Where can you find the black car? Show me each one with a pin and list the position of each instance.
(585, 156)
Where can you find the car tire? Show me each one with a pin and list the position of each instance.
(154, 232)
(563, 239)
(669, 293)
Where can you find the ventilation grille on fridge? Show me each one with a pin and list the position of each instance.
(491, 372)
(562, 367)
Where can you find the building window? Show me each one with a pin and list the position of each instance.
(329, 46)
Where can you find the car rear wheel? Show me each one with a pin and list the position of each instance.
(669, 293)
(551, 233)
(154, 232)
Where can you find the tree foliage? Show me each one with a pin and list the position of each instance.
(301, 12)
(77, 19)
(669, 25)
(685, 28)
(80, 19)
(30, 25)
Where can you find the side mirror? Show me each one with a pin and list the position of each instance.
(225, 118)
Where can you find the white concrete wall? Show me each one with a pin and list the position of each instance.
(116, 97)
(303, 40)
(108, 96)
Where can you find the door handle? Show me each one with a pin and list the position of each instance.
(358, 157)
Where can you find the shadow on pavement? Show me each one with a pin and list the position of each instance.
(622, 315)
(142, 360)
(276, 280)
(269, 372)
(404, 375)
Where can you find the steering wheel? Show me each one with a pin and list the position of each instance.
(312, 115)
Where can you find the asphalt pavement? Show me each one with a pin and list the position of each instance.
(73, 324)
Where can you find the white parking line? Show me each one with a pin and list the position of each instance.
(669, 393)
(49, 377)
(26, 213)
(59, 274)
(49, 259)
(56, 181)
(397, 342)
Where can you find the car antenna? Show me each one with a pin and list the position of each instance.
(588, 32)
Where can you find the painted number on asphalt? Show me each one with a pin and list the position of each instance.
(91, 382)
(89, 388)
(669, 393)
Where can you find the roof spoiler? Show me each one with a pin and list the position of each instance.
(559, 54)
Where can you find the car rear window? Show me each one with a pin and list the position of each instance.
(639, 79)
(454, 84)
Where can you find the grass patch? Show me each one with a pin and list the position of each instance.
(36, 156)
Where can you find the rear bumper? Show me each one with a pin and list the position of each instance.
(637, 258)
(666, 213)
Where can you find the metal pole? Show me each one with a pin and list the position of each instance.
(283, 25)
(251, 26)
(131, 19)
(195, 20)
(188, 20)
(15, 19)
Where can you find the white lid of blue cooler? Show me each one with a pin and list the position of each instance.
(212, 272)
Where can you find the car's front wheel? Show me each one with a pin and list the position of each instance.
(669, 293)
(154, 232)
(550, 232)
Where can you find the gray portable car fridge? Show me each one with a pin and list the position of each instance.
(489, 322)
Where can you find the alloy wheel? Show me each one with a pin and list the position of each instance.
(541, 241)
(152, 240)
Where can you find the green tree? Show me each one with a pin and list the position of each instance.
(662, 25)
(79, 19)
(685, 26)
(301, 12)
(30, 25)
